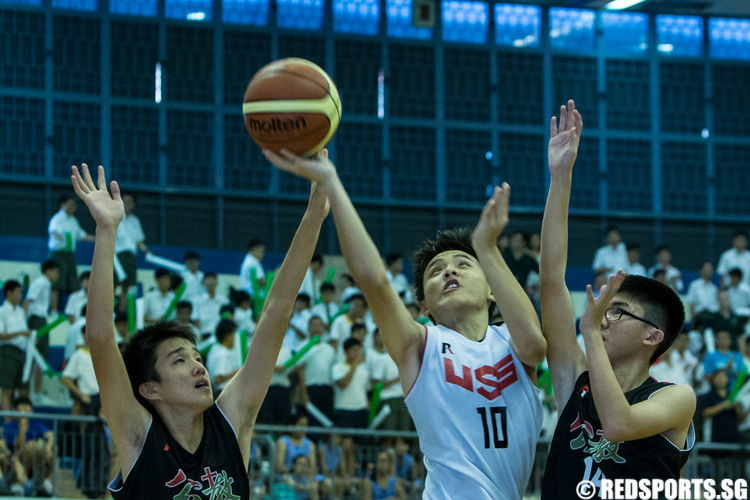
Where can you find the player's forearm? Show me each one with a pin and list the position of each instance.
(359, 251)
(554, 236)
(101, 301)
(518, 311)
(613, 409)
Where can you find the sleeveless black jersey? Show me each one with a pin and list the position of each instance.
(164, 470)
(579, 451)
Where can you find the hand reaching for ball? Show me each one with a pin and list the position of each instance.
(317, 168)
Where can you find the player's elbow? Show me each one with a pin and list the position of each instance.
(617, 430)
(535, 352)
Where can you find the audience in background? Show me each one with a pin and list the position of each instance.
(736, 257)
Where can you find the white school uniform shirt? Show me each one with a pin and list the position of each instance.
(400, 285)
(702, 295)
(612, 259)
(207, 310)
(75, 303)
(249, 263)
(383, 368)
(326, 312)
(318, 362)
(478, 416)
(39, 293)
(732, 258)
(12, 320)
(636, 269)
(129, 233)
(74, 337)
(353, 396)
(739, 298)
(155, 304)
(221, 361)
(193, 285)
(62, 223)
(80, 368)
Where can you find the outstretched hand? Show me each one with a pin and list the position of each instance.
(597, 307)
(494, 218)
(317, 168)
(107, 210)
(563, 143)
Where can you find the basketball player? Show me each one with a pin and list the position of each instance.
(614, 421)
(172, 440)
(469, 386)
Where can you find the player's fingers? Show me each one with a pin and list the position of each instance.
(78, 185)
(115, 188)
(87, 177)
(102, 180)
(553, 127)
(563, 118)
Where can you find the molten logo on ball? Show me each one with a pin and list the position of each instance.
(292, 104)
(277, 126)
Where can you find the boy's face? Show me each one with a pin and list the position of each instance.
(327, 296)
(70, 207)
(613, 238)
(707, 270)
(192, 265)
(122, 328)
(740, 242)
(85, 284)
(184, 378)
(452, 280)
(209, 283)
(357, 308)
(627, 335)
(15, 296)
(53, 274)
(315, 326)
(183, 314)
(163, 283)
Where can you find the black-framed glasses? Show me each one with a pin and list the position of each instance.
(615, 313)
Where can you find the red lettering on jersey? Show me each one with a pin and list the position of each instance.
(503, 374)
(209, 475)
(576, 423)
(451, 377)
(178, 479)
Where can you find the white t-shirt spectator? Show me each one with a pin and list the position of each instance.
(732, 258)
(207, 311)
(129, 233)
(281, 378)
(74, 338)
(739, 297)
(193, 285)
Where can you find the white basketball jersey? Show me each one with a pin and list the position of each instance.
(478, 416)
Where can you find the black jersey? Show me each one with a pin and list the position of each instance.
(165, 470)
(579, 451)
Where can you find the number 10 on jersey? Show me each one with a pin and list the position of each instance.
(496, 418)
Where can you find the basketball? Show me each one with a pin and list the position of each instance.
(292, 104)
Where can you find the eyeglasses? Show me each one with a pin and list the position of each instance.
(615, 313)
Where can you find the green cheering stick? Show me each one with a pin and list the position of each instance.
(175, 300)
(298, 355)
(741, 379)
(374, 401)
(44, 331)
(243, 344)
(131, 312)
(329, 276)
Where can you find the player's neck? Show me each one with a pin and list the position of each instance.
(471, 326)
(185, 427)
(631, 374)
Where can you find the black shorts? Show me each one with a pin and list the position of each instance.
(12, 360)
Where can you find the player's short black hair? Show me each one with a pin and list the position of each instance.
(139, 353)
(661, 305)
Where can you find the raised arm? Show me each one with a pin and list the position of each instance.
(518, 311)
(565, 357)
(127, 419)
(669, 410)
(403, 337)
(241, 398)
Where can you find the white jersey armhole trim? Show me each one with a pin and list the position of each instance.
(689, 439)
(421, 361)
(119, 477)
